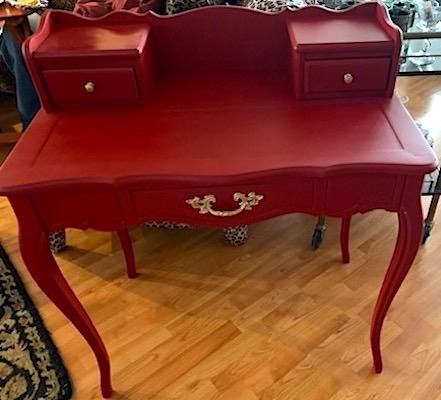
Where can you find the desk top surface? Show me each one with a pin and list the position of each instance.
(246, 131)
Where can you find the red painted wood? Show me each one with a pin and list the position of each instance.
(116, 58)
(325, 77)
(410, 218)
(262, 132)
(126, 244)
(39, 260)
(67, 85)
(219, 113)
(344, 238)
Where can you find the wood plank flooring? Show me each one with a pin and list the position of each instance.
(271, 320)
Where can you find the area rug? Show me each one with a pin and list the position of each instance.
(30, 366)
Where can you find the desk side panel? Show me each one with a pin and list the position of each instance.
(81, 206)
(351, 194)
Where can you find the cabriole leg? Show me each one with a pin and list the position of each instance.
(34, 246)
(408, 241)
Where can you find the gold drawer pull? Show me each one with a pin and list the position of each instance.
(90, 87)
(348, 78)
(245, 203)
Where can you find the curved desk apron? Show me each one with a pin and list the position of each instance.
(219, 141)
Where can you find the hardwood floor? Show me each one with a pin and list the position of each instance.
(10, 126)
(271, 320)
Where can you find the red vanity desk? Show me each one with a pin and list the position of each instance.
(219, 117)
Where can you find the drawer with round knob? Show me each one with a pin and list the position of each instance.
(364, 76)
(346, 56)
(85, 65)
(82, 86)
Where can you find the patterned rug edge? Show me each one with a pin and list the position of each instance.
(52, 365)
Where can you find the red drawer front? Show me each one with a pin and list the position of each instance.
(79, 208)
(328, 76)
(171, 205)
(68, 86)
(369, 192)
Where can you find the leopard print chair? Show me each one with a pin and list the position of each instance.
(176, 6)
(276, 5)
(233, 235)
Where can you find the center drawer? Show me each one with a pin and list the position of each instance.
(226, 207)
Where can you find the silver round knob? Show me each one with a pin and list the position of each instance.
(348, 78)
(90, 87)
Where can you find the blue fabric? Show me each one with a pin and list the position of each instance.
(27, 99)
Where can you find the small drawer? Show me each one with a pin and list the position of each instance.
(350, 76)
(77, 87)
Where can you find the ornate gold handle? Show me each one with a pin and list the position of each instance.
(348, 78)
(205, 205)
(90, 87)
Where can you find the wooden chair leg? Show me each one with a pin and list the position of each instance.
(127, 247)
(344, 238)
(57, 241)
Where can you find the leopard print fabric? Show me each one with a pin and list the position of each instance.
(57, 241)
(166, 225)
(67, 5)
(235, 235)
(277, 5)
(177, 6)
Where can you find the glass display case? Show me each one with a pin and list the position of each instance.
(421, 51)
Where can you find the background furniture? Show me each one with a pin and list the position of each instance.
(16, 19)
(7, 84)
(180, 166)
(409, 66)
(22, 30)
(417, 37)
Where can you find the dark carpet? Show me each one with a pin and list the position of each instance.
(30, 365)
